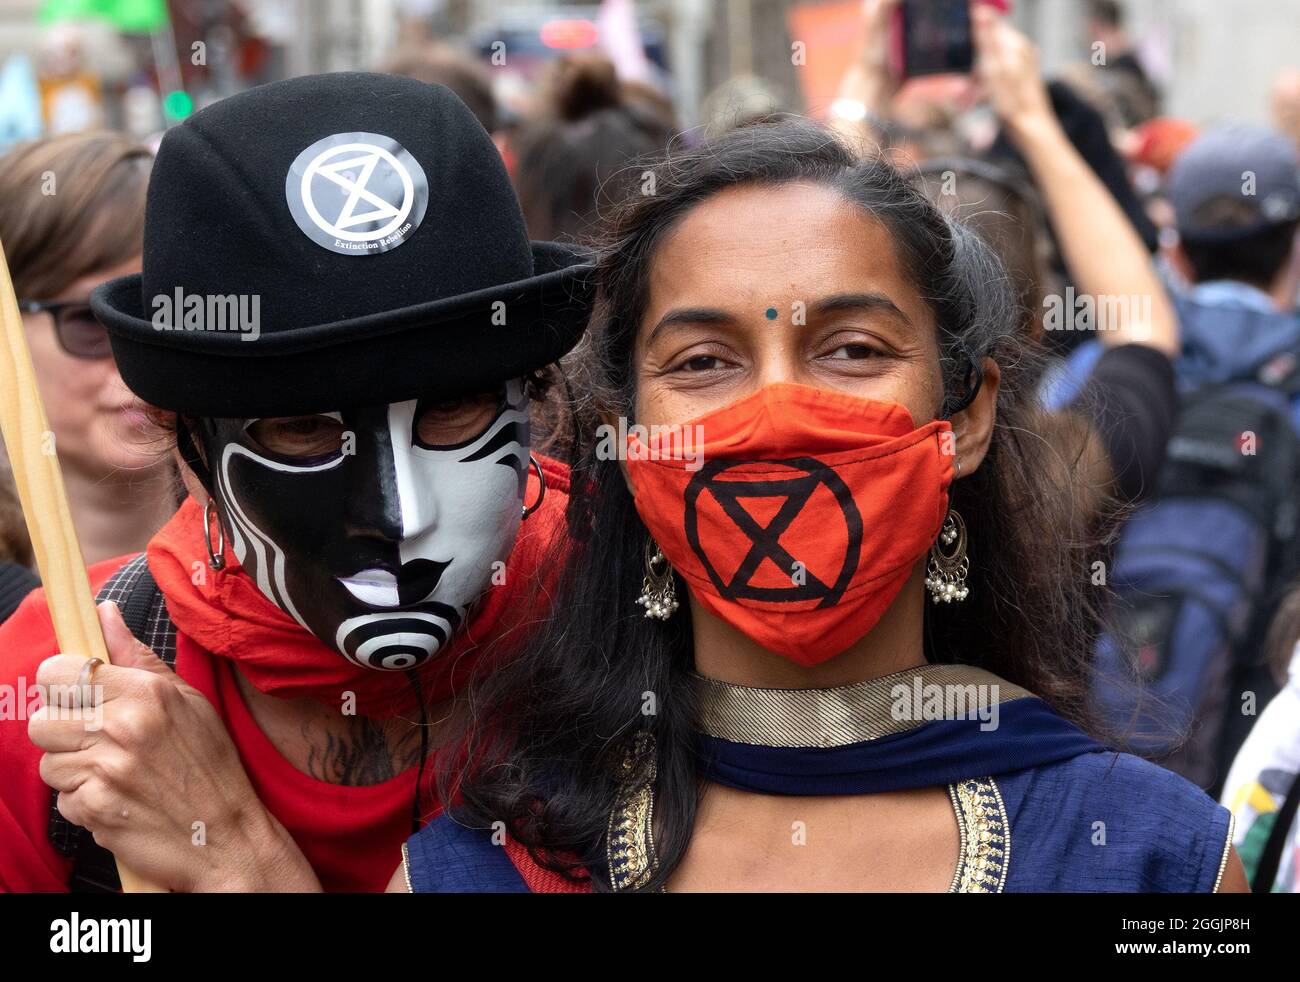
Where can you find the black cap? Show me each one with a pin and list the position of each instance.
(1252, 169)
(369, 222)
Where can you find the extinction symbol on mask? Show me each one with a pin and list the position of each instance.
(764, 540)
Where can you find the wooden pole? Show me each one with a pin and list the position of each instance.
(30, 443)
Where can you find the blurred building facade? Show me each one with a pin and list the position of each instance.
(1212, 59)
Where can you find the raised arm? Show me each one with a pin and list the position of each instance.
(1103, 252)
(868, 83)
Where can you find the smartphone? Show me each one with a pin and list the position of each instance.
(935, 37)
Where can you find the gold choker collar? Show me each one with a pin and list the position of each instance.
(847, 714)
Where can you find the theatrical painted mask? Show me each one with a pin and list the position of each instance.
(376, 528)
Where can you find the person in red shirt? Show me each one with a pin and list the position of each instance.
(341, 324)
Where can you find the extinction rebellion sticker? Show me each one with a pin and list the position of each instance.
(357, 194)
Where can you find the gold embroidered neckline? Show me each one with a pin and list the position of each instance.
(984, 833)
(984, 853)
(629, 841)
(823, 718)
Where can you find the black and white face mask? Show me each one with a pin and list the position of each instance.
(376, 529)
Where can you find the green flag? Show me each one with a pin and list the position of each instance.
(130, 16)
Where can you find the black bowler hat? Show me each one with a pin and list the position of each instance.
(332, 241)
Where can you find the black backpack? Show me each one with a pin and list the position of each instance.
(133, 589)
(1198, 573)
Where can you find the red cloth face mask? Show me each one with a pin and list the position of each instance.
(798, 514)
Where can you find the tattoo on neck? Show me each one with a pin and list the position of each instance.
(365, 754)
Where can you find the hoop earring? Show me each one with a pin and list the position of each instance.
(945, 575)
(216, 557)
(658, 590)
(541, 480)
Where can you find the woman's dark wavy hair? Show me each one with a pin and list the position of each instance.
(549, 732)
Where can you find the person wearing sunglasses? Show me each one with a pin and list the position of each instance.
(72, 217)
(77, 330)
